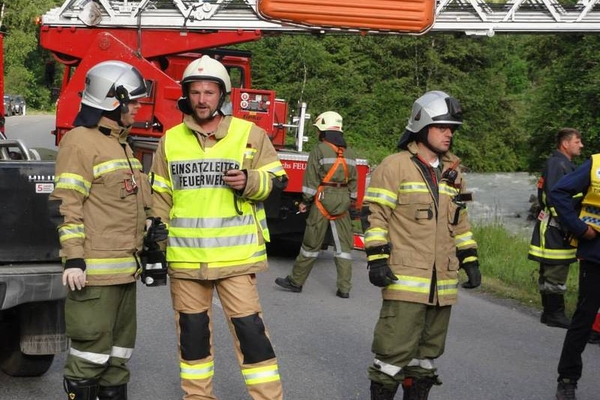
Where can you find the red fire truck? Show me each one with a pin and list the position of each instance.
(161, 43)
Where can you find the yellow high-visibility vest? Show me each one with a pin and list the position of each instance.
(590, 206)
(208, 221)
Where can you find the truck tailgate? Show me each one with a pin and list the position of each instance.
(29, 234)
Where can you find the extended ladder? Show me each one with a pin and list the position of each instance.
(476, 17)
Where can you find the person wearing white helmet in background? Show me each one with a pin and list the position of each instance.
(211, 174)
(101, 202)
(417, 236)
(329, 190)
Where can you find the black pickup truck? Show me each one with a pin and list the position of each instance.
(32, 296)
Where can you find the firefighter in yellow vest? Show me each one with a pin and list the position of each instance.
(102, 201)
(329, 188)
(417, 236)
(211, 174)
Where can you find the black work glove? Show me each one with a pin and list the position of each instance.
(154, 266)
(380, 273)
(473, 273)
(157, 232)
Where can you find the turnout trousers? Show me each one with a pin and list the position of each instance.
(101, 323)
(192, 302)
(314, 236)
(553, 278)
(408, 338)
(570, 365)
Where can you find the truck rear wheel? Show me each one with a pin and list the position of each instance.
(13, 361)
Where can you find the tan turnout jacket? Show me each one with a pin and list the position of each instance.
(103, 215)
(420, 229)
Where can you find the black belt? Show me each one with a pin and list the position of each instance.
(334, 184)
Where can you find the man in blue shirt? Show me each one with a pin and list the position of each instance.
(584, 225)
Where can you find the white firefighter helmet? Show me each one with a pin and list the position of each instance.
(329, 121)
(111, 84)
(206, 68)
(435, 107)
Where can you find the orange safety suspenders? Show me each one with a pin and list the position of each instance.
(340, 160)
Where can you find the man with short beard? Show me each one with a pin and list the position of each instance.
(211, 174)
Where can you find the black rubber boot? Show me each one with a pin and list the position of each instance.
(380, 392)
(554, 311)
(566, 390)
(118, 392)
(86, 389)
(287, 284)
(418, 388)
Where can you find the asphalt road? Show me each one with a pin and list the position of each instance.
(495, 350)
(34, 130)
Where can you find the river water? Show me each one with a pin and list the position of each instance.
(503, 198)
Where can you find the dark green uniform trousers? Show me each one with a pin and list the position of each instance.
(314, 235)
(408, 337)
(553, 278)
(101, 323)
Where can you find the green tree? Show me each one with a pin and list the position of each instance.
(24, 61)
(373, 80)
(566, 92)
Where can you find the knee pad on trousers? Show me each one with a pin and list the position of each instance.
(254, 343)
(194, 337)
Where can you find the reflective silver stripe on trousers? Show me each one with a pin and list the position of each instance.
(121, 352)
(386, 368)
(309, 254)
(336, 241)
(425, 363)
(95, 358)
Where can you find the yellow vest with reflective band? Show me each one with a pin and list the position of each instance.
(590, 206)
(208, 222)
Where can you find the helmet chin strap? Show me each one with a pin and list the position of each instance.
(218, 111)
(423, 137)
